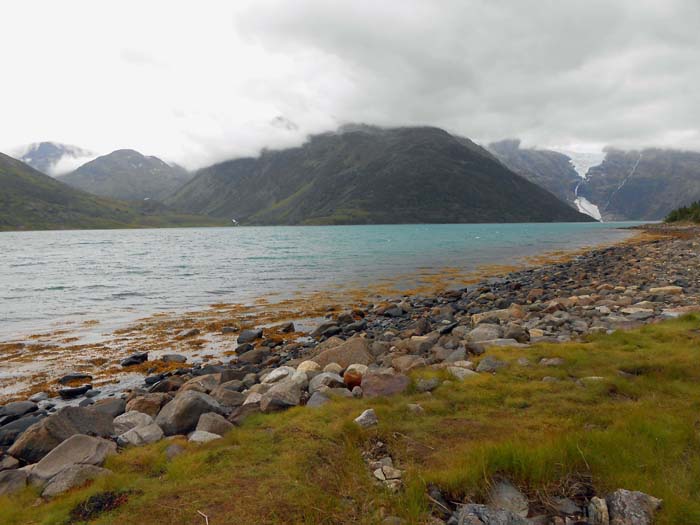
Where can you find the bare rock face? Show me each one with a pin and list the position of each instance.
(181, 415)
(41, 438)
(627, 507)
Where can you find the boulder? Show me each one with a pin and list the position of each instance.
(200, 436)
(405, 363)
(15, 410)
(504, 495)
(228, 398)
(317, 399)
(474, 514)
(141, 435)
(8, 463)
(598, 512)
(71, 393)
(173, 358)
(367, 419)
(181, 415)
(627, 507)
(309, 366)
(130, 420)
(203, 384)
(666, 290)
(214, 423)
(71, 477)
(281, 396)
(254, 357)
(11, 431)
(42, 437)
(248, 336)
(76, 450)
(381, 384)
(12, 481)
(148, 403)
(460, 373)
(278, 374)
(354, 350)
(74, 376)
(485, 332)
(325, 379)
(112, 406)
(333, 368)
(135, 359)
(490, 364)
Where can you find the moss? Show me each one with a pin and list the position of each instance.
(639, 431)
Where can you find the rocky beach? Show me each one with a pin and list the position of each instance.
(61, 435)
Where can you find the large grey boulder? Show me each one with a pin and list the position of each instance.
(484, 332)
(627, 507)
(112, 406)
(181, 415)
(214, 423)
(73, 476)
(281, 396)
(12, 481)
(141, 435)
(473, 514)
(42, 437)
(129, 420)
(15, 410)
(11, 431)
(76, 450)
(228, 398)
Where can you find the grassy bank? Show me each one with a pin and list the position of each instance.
(624, 413)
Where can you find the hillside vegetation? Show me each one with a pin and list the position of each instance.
(127, 175)
(689, 213)
(365, 175)
(30, 200)
(623, 411)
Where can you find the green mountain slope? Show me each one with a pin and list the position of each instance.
(127, 175)
(365, 175)
(30, 200)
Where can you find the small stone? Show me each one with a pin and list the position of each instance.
(427, 384)
(188, 333)
(309, 366)
(200, 436)
(74, 376)
(367, 419)
(506, 496)
(214, 423)
(490, 364)
(460, 373)
(173, 358)
(333, 368)
(552, 361)
(415, 408)
(141, 435)
(129, 420)
(627, 507)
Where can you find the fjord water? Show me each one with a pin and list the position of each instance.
(48, 277)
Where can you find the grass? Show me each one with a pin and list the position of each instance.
(639, 431)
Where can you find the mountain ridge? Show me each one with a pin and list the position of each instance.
(370, 176)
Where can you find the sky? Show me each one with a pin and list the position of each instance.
(203, 81)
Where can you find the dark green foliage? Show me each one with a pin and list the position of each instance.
(366, 175)
(685, 213)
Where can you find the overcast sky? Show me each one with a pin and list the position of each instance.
(201, 81)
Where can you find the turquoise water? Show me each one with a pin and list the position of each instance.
(49, 277)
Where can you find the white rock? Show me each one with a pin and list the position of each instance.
(141, 435)
(129, 420)
(201, 436)
(367, 419)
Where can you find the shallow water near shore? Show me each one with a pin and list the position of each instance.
(57, 277)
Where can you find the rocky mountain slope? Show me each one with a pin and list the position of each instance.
(364, 175)
(53, 158)
(644, 185)
(128, 175)
(30, 200)
(549, 169)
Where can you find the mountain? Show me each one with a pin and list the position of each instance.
(128, 175)
(643, 185)
(53, 158)
(30, 200)
(551, 170)
(366, 175)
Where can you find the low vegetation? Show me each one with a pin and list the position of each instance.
(689, 213)
(623, 411)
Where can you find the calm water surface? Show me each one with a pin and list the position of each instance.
(47, 277)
